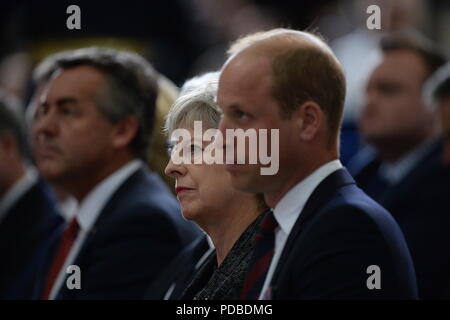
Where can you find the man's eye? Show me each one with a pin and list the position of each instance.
(240, 114)
(68, 111)
(41, 111)
(390, 89)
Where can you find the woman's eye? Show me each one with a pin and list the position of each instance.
(195, 148)
(170, 147)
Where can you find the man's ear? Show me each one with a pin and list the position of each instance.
(125, 131)
(8, 143)
(308, 118)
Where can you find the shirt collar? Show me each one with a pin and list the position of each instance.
(92, 205)
(288, 209)
(19, 188)
(68, 207)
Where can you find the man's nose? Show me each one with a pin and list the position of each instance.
(370, 100)
(225, 124)
(46, 124)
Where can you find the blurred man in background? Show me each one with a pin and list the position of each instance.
(403, 170)
(438, 94)
(90, 137)
(27, 208)
(157, 156)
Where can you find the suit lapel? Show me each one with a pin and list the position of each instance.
(111, 206)
(120, 194)
(318, 199)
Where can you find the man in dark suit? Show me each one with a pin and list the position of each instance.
(90, 134)
(403, 170)
(27, 209)
(328, 239)
(437, 92)
(184, 267)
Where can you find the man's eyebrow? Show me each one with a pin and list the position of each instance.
(388, 84)
(60, 102)
(66, 100)
(235, 106)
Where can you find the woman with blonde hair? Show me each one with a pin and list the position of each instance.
(230, 217)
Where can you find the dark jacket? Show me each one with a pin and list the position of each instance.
(28, 226)
(136, 236)
(340, 233)
(420, 203)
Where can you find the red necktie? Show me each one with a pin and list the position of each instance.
(261, 258)
(67, 240)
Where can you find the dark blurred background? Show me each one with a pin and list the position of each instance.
(183, 38)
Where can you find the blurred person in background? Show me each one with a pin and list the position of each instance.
(358, 51)
(156, 154)
(438, 94)
(402, 169)
(90, 136)
(28, 216)
(223, 21)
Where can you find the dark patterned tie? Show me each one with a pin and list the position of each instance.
(261, 258)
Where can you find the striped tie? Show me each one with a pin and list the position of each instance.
(261, 258)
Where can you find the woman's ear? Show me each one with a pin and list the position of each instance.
(126, 130)
(308, 118)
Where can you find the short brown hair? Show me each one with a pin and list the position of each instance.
(303, 73)
(306, 74)
(431, 56)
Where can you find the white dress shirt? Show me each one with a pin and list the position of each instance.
(28, 180)
(89, 210)
(289, 208)
(68, 208)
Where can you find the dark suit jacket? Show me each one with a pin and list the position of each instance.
(27, 226)
(420, 203)
(136, 236)
(339, 234)
(180, 272)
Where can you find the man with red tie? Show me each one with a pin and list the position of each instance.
(90, 135)
(437, 90)
(325, 235)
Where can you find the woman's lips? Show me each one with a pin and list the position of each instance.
(233, 167)
(182, 189)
